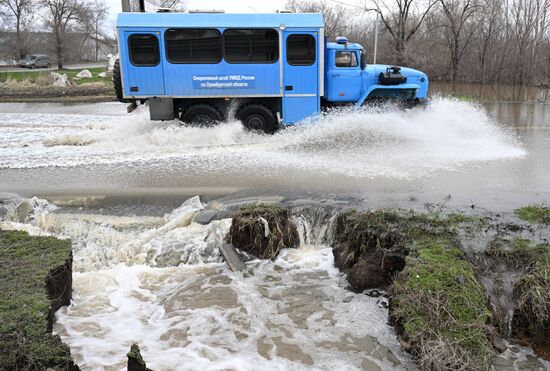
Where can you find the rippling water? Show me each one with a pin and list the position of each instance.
(157, 278)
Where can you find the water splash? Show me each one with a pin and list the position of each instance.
(446, 135)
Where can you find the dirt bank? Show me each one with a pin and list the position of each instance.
(35, 281)
(458, 284)
(263, 231)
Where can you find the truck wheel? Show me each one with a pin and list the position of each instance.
(117, 82)
(256, 117)
(201, 115)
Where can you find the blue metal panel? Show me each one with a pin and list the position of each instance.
(222, 79)
(296, 109)
(141, 80)
(373, 87)
(301, 98)
(343, 83)
(167, 20)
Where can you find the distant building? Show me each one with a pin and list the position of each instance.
(78, 46)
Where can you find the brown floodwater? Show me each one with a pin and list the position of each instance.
(493, 155)
(121, 187)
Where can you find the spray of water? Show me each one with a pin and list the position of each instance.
(446, 135)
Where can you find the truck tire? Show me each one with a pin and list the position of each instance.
(117, 82)
(256, 117)
(201, 115)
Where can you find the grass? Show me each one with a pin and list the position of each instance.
(532, 295)
(437, 302)
(442, 308)
(518, 252)
(24, 304)
(535, 213)
(37, 76)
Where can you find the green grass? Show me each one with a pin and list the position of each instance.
(34, 75)
(535, 213)
(24, 304)
(437, 301)
(442, 308)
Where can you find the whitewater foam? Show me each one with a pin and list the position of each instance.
(447, 135)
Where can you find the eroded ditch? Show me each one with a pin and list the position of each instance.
(158, 280)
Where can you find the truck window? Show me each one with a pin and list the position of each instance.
(144, 50)
(193, 46)
(253, 45)
(346, 59)
(300, 50)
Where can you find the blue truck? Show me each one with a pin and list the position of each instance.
(270, 70)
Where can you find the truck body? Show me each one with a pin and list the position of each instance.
(271, 69)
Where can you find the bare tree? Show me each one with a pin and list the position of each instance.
(530, 27)
(336, 16)
(457, 13)
(403, 19)
(92, 17)
(61, 14)
(490, 26)
(179, 5)
(17, 10)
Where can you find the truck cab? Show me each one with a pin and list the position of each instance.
(272, 70)
(349, 79)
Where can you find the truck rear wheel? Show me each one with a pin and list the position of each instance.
(201, 115)
(117, 82)
(256, 117)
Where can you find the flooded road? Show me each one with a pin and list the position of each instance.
(128, 192)
(493, 155)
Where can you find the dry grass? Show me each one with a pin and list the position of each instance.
(249, 233)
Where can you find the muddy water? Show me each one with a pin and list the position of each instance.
(492, 156)
(160, 281)
(491, 93)
(154, 275)
(146, 272)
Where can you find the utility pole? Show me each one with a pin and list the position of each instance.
(376, 32)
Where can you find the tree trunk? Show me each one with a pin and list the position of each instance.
(400, 58)
(59, 48)
(18, 38)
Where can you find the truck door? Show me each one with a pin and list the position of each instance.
(143, 75)
(300, 75)
(344, 76)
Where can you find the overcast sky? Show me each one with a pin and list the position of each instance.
(230, 6)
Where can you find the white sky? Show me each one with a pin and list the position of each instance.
(230, 6)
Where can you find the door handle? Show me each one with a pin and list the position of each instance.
(289, 87)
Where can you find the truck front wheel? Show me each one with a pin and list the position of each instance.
(201, 115)
(256, 117)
